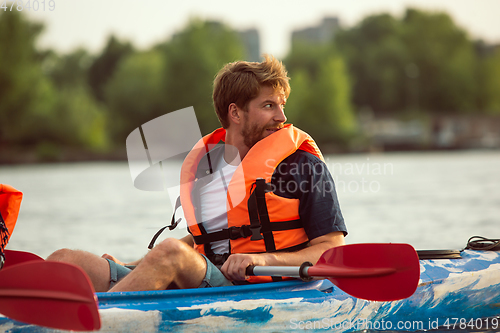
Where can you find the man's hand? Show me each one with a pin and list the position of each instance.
(110, 257)
(235, 266)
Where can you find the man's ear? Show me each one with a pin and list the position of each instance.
(234, 113)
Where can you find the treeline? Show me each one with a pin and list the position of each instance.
(92, 102)
(417, 66)
(421, 63)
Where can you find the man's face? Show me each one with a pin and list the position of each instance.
(265, 115)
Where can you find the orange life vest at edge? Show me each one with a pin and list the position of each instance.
(10, 202)
(260, 162)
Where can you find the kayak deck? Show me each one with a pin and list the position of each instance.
(450, 292)
(467, 288)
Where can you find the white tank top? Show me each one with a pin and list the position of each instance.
(213, 202)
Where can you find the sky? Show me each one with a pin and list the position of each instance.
(88, 23)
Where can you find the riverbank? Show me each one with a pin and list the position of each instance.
(37, 155)
(48, 153)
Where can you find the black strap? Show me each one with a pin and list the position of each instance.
(483, 244)
(4, 237)
(253, 214)
(438, 254)
(260, 196)
(218, 259)
(265, 222)
(229, 233)
(173, 224)
(244, 231)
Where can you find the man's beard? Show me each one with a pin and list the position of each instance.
(253, 133)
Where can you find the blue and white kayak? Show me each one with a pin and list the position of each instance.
(452, 294)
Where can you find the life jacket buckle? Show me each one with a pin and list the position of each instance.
(236, 232)
(256, 235)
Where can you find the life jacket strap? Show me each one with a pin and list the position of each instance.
(259, 215)
(257, 206)
(173, 224)
(245, 231)
(4, 237)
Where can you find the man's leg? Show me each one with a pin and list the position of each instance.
(97, 268)
(171, 261)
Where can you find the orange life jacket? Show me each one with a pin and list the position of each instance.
(10, 202)
(258, 220)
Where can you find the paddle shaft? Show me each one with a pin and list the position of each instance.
(273, 271)
(290, 271)
(306, 271)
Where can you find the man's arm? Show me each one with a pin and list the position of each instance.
(235, 266)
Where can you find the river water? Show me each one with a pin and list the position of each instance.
(431, 200)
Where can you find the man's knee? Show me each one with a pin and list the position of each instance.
(65, 255)
(184, 266)
(170, 252)
(76, 257)
(96, 267)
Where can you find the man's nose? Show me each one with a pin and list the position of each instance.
(280, 115)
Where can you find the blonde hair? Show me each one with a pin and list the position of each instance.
(239, 82)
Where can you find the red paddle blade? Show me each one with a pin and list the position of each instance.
(48, 293)
(16, 257)
(376, 272)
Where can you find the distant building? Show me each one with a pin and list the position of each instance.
(320, 34)
(251, 42)
(250, 39)
(484, 49)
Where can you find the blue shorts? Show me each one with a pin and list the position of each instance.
(213, 276)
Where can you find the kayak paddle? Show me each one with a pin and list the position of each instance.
(375, 272)
(40, 292)
(16, 257)
(49, 293)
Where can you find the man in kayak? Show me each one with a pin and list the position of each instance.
(264, 198)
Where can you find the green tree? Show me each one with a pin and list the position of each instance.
(422, 61)
(491, 84)
(79, 120)
(104, 66)
(445, 58)
(193, 57)
(27, 97)
(135, 93)
(376, 57)
(320, 101)
(70, 69)
(44, 101)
